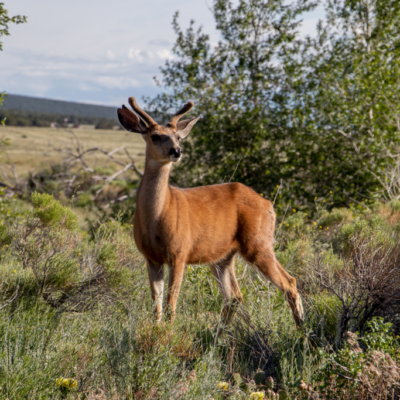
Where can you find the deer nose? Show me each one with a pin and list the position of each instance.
(176, 152)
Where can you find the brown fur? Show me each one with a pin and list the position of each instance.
(209, 224)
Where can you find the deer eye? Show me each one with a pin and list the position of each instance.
(155, 138)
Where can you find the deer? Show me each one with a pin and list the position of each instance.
(201, 225)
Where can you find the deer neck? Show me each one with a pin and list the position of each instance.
(154, 192)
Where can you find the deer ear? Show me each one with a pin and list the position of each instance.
(184, 127)
(130, 121)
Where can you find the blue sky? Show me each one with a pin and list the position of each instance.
(97, 51)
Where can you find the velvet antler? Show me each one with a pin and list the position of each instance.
(145, 117)
(186, 108)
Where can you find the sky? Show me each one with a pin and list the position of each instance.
(97, 51)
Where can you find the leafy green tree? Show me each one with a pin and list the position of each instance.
(5, 20)
(351, 124)
(319, 113)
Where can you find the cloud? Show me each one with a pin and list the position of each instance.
(135, 54)
(115, 82)
(160, 42)
(106, 57)
(165, 54)
(149, 56)
(110, 55)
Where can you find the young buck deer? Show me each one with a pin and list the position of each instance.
(208, 224)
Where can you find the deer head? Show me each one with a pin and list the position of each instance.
(162, 142)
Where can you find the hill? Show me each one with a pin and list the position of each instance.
(48, 106)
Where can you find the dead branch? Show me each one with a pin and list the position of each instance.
(77, 153)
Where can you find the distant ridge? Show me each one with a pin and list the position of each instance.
(36, 104)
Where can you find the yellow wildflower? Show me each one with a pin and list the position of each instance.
(294, 210)
(257, 395)
(314, 223)
(261, 194)
(223, 385)
(66, 383)
(73, 383)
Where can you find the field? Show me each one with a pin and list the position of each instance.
(76, 313)
(33, 149)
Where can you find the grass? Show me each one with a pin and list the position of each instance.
(78, 307)
(31, 148)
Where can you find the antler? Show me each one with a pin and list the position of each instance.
(145, 117)
(186, 108)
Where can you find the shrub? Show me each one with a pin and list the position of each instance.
(353, 373)
(69, 272)
(51, 213)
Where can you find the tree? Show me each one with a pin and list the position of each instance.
(352, 98)
(5, 20)
(318, 113)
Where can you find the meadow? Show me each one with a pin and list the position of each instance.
(33, 148)
(59, 161)
(76, 313)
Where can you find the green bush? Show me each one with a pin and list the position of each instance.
(51, 213)
(355, 373)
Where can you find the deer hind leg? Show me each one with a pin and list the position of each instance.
(156, 278)
(176, 272)
(224, 274)
(269, 266)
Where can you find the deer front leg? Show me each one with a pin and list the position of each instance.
(156, 278)
(175, 278)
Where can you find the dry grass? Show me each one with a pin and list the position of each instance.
(31, 148)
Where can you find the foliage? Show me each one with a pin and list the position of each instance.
(105, 124)
(277, 107)
(48, 246)
(5, 20)
(353, 373)
(51, 213)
